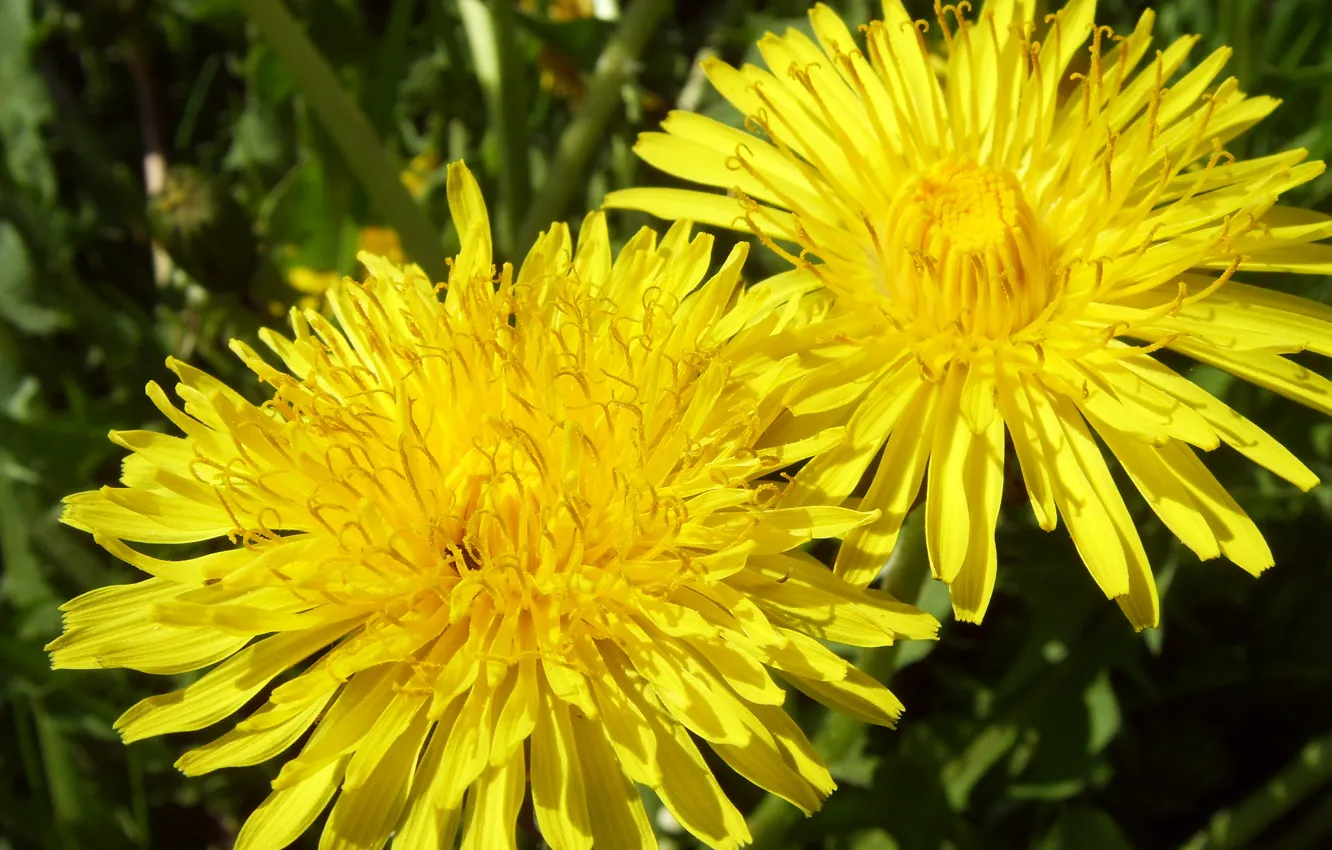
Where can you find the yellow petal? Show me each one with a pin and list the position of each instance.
(947, 522)
(831, 476)
(1271, 371)
(1089, 523)
(365, 814)
(1239, 538)
(760, 761)
(618, 818)
(702, 207)
(391, 725)
(144, 517)
(245, 746)
(892, 492)
(288, 812)
(687, 785)
(352, 716)
(493, 814)
(1237, 432)
(1169, 496)
(984, 476)
(225, 689)
(1016, 409)
(519, 716)
(467, 208)
(142, 645)
(1139, 600)
(426, 822)
(559, 795)
(796, 748)
(856, 696)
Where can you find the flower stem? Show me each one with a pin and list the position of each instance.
(351, 131)
(1238, 826)
(490, 28)
(615, 67)
(903, 578)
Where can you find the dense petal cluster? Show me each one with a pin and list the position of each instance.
(1010, 232)
(514, 533)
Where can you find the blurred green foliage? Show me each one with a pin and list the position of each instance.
(1052, 727)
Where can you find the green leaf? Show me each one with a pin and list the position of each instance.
(17, 290)
(1084, 828)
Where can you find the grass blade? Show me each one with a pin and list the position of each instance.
(615, 67)
(352, 132)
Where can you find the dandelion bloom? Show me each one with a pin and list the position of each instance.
(504, 535)
(1008, 242)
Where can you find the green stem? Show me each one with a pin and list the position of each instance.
(352, 132)
(490, 28)
(615, 68)
(1236, 827)
(904, 577)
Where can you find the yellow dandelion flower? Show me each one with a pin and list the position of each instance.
(310, 281)
(1008, 242)
(512, 535)
(382, 242)
(416, 176)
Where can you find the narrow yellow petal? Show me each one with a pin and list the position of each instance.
(808, 580)
(400, 715)
(1239, 538)
(143, 517)
(519, 716)
(467, 208)
(188, 571)
(117, 602)
(1089, 523)
(426, 822)
(1272, 371)
(494, 814)
(702, 207)
(365, 814)
(947, 522)
(225, 689)
(856, 696)
(1237, 432)
(617, 818)
(1169, 496)
(622, 724)
(689, 689)
(351, 717)
(830, 477)
(796, 748)
(761, 762)
(1139, 600)
(1016, 409)
(287, 812)
(559, 793)
(687, 786)
(142, 645)
(258, 738)
(892, 492)
(984, 476)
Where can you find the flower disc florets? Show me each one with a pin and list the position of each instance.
(516, 531)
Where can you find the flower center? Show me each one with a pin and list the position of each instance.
(967, 252)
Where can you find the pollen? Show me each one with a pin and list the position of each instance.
(968, 207)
